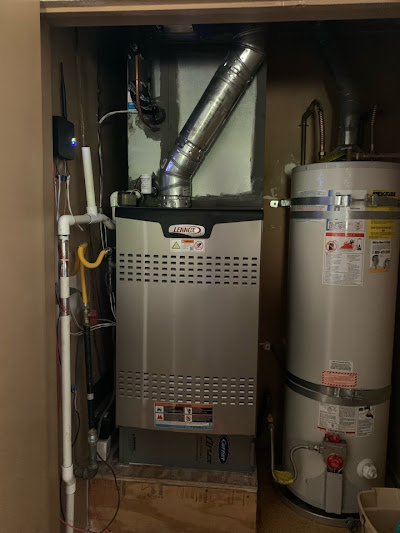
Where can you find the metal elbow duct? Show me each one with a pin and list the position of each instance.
(209, 116)
(348, 94)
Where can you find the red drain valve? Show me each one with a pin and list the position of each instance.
(334, 462)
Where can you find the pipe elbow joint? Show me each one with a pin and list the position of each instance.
(64, 224)
(86, 472)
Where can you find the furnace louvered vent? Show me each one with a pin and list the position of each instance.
(188, 269)
(186, 389)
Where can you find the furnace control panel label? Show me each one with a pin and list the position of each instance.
(183, 416)
(187, 245)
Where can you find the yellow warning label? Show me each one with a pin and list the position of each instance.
(381, 229)
(176, 246)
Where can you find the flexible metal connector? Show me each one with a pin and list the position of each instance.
(321, 123)
(209, 116)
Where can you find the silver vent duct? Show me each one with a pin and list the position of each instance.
(209, 116)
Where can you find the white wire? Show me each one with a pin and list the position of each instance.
(120, 112)
(74, 319)
(112, 306)
(98, 326)
(58, 197)
(103, 230)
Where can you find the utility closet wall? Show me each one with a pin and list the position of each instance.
(296, 75)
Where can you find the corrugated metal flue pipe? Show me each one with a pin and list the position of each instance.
(348, 94)
(209, 116)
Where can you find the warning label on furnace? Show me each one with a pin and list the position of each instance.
(357, 421)
(344, 252)
(183, 416)
(187, 245)
(335, 378)
(381, 251)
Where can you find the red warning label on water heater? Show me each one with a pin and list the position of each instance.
(345, 380)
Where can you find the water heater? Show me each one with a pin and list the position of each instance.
(187, 335)
(344, 250)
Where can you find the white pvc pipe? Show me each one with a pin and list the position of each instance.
(89, 184)
(64, 225)
(113, 203)
(66, 221)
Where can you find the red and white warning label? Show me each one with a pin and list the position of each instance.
(183, 416)
(344, 252)
(335, 378)
(187, 245)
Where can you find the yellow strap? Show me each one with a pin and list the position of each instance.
(81, 252)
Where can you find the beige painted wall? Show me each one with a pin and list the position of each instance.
(28, 409)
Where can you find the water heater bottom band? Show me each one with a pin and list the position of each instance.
(336, 395)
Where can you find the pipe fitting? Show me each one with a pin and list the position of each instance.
(69, 479)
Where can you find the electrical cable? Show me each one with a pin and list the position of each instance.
(94, 328)
(119, 112)
(118, 494)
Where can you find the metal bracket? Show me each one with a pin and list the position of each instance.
(378, 200)
(285, 202)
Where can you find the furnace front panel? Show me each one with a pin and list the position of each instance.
(187, 315)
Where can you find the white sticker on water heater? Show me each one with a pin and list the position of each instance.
(344, 249)
(353, 421)
(342, 366)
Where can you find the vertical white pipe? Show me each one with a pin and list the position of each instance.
(89, 184)
(69, 512)
(66, 390)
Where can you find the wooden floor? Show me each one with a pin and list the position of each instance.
(276, 517)
(162, 500)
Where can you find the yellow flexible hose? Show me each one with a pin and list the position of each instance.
(81, 254)
(83, 283)
(81, 263)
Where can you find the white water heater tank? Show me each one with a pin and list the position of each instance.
(344, 250)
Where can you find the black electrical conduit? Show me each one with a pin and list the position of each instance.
(89, 471)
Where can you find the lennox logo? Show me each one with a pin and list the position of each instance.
(187, 229)
(223, 449)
